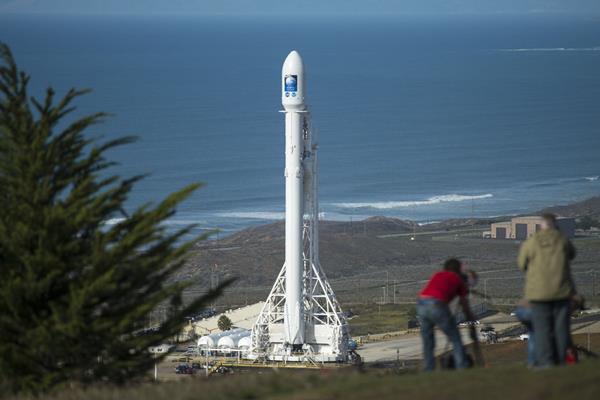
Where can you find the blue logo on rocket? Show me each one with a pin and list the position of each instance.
(290, 83)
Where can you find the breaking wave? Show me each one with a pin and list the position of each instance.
(565, 181)
(552, 49)
(172, 221)
(183, 221)
(266, 215)
(385, 205)
(114, 221)
(262, 215)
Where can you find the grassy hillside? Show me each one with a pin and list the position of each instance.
(360, 257)
(589, 207)
(514, 352)
(374, 318)
(575, 382)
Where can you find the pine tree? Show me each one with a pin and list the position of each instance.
(73, 289)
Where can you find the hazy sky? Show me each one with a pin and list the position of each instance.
(334, 7)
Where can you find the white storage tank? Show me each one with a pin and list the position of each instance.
(245, 343)
(230, 342)
(211, 341)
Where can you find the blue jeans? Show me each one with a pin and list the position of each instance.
(432, 313)
(552, 331)
(524, 315)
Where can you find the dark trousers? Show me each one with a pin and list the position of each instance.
(552, 331)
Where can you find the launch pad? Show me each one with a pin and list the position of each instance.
(301, 320)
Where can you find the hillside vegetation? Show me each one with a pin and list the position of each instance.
(574, 382)
(377, 251)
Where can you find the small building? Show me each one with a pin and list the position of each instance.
(521, 228)
(501, 230)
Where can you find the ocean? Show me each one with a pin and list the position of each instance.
(423, 118)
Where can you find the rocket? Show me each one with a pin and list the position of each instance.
(301, 319)
(292, 98)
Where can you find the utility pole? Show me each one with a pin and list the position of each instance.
(214, 280)
(359, 288)
(387, 284)
(589, 344)
(485, 290)
(206, 352)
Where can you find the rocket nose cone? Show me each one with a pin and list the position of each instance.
(294, 55)
(293, 82)
(293, 63)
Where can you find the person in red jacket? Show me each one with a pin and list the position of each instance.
(433, 310)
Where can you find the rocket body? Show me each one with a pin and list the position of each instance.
(294, 107)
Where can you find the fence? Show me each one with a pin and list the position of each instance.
(381, 288)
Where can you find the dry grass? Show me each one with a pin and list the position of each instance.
(515, 352)
(504, 377)
(374, 318)
(514, 382)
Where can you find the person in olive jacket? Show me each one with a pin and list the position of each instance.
(549, 286)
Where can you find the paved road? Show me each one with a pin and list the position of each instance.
(408, 347)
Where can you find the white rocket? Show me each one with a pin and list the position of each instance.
(301, 319)
(292, 98)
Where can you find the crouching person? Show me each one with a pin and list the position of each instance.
(433, 310)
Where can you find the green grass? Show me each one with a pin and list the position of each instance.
(373, 318)
(512, 382)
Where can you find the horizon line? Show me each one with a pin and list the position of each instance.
(592, 14)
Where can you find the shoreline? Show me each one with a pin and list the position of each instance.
(587, 207)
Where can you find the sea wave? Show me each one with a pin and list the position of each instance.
(565, 181)
(114, 221)
(184, 222)
(266, 215)
(384, 205)
(552, 49)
